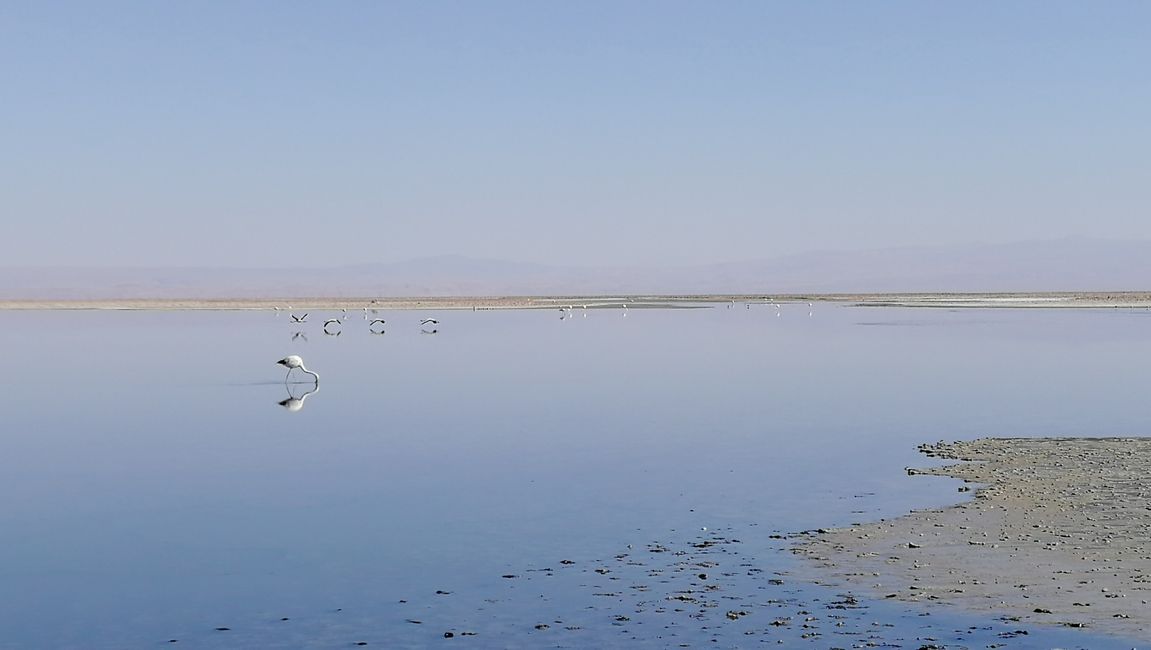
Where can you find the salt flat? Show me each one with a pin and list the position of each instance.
(1080, 300)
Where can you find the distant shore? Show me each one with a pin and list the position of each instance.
(1059, 536)
(1077, 300)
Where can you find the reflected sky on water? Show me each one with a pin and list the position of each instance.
(160, 479)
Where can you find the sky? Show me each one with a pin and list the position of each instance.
(279, 133)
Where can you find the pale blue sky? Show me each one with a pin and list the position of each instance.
(309, 133)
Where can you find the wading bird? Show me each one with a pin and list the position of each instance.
(293, 361)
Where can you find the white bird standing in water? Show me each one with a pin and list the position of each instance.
(293, 361)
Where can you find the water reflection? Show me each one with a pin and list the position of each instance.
(735, 420)
(294, 403)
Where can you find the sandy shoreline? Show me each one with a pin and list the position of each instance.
(1077, 300)
(1059, 535)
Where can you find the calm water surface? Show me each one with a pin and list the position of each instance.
(152, 489)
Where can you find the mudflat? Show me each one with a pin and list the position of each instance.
(1059, 532)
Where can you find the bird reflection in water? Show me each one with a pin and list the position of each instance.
(294, 403)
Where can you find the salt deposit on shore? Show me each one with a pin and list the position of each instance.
(1075, 300)
(1060, 534)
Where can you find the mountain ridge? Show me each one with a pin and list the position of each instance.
(1047, 265)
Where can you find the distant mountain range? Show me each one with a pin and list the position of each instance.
(1058, 265)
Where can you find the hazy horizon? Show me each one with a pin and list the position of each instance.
(599, 134)
(1052, 265)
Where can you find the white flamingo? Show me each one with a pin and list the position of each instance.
(293, 361)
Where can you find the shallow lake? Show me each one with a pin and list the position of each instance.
(513, 479)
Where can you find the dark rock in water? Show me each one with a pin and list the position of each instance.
(414, 621)
(441, 592)
(510, 575)
(285, 619)
(702, 576)
(448, 635)
(223, 629)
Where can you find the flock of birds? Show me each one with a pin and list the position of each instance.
(332, 327)
(772, 303)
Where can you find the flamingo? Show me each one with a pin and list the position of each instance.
(293, 361)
